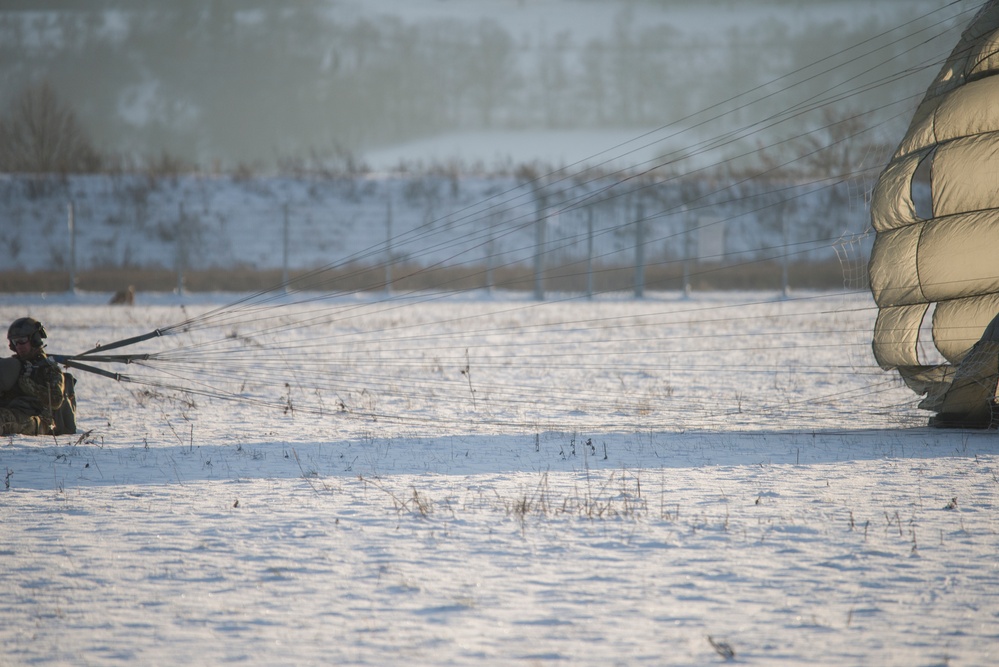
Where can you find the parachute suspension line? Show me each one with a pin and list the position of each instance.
(712, 143)
(220, 376)
(70, 363)
(473, 334)
(774, 120)
(127, 341)
(181, 363)
(530, 222)
(188, 355)
(586, 198)
(763, 86)
(317, 271)
(851, 255)
(129, 358)
(252, 298)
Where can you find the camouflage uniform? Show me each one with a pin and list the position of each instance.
(27, 405)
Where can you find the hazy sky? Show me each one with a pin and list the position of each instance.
(231, 82)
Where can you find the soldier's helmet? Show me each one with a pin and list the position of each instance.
(26, 327)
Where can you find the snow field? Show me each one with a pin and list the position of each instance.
(209, 532)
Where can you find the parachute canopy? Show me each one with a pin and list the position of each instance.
(935, 210)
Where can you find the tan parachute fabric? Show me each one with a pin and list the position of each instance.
(936, 213)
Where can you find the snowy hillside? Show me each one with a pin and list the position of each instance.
(250, 83)
(224, 222)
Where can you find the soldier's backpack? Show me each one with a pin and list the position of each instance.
(65, 416)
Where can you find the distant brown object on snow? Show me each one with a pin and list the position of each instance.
(124, 297)
(722, 648)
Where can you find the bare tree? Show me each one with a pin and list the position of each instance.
(41, 135)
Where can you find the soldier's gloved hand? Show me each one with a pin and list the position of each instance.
(27, 368)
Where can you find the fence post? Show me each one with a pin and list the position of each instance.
(284, 255)
(539, 248)
(388, 246)
(490, 251)
(639, 251)
(71, 219)
(785, 286)
(181, 249)
(687, 251)
(589, 253)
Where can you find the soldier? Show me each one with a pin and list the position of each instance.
(31, 384)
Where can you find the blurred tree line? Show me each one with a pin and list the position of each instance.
(39, 134)
(241, 82)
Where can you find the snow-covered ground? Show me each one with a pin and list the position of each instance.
(606, 482)
(132, 222)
